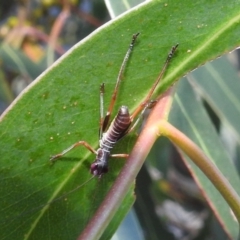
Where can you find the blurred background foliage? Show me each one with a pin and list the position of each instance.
(33, 34)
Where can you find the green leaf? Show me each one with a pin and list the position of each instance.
(218, 83)
(62, 107)
(190, 117)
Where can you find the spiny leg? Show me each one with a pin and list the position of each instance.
(80, 143)
(119, 78)
(146, 100)
(147, 103)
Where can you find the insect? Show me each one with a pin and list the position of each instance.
(121, 125)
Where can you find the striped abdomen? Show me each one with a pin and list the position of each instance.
(117, 129)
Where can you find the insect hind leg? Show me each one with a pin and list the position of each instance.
(80, 143)
(146, 101)
(150, 105)
(119, 78)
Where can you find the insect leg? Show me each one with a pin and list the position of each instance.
(80, 143)
(119, 155)
(101, 110)
(146, 100)
(119, 78)
(149, 105)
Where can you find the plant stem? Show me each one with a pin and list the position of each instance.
(127, 176)
(204, 163)
(156, 125)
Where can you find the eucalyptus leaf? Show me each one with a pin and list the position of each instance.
(189, 116)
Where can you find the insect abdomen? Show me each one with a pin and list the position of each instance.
(120, 124)
(118, 128)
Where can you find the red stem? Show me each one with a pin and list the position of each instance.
(126, 178)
